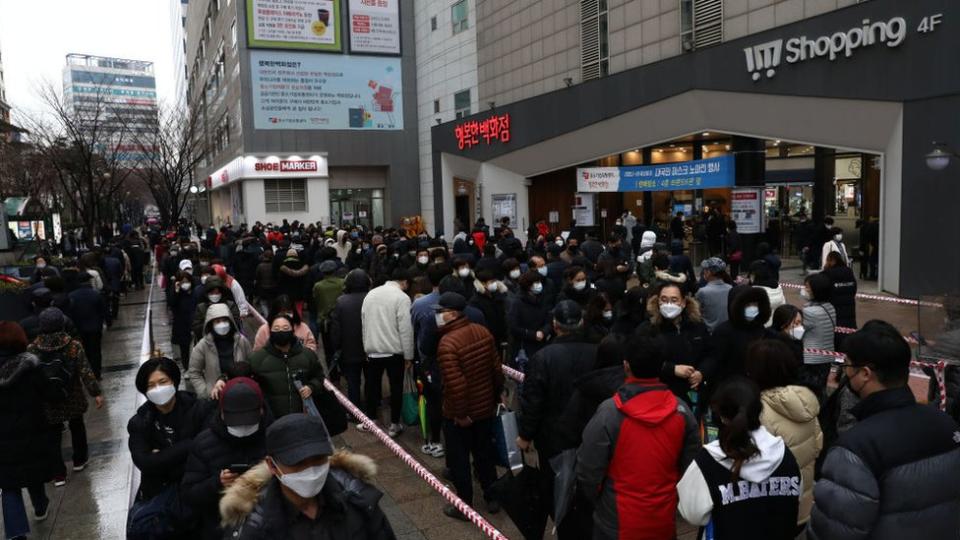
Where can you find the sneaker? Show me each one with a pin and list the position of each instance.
(59, 481)
(437, 451)
(77, 467)
(428, 449)
(362, 428)
(395, 429)
(451, 511)
(40, 512)
(493, 506)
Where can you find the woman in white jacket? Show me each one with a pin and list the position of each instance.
(835, 244)
(745, 485)
(789, 410)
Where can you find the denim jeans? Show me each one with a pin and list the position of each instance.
(15, 513)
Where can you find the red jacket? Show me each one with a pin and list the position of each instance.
(634, 450)
(480, 240)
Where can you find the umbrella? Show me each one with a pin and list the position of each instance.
(422, 410)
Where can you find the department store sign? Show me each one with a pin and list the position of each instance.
(766, 58)
(699, 174)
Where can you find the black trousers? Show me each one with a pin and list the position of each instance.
(373, 370)
(352, 371)
(78, 438)
(92, 346)
(432, 393)
(462, 442)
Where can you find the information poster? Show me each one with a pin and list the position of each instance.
(746, 209)
(504, 205)
(699, 174)
(375, 26)
(294, 24)
(293, 90)
(583, 210)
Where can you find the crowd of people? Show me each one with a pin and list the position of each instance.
(674, 388)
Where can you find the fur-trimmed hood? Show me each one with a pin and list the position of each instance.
(240, 499)
(691, 313)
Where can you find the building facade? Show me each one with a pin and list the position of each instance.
(308, 109)
(771, 112)
(178, 35)
(4, 106)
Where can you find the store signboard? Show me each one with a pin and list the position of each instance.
(746, 209)
(314, 166)
(375, 26)
(699, 174)
(295, 90)
(294, 24)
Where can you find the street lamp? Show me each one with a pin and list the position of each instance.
(194, 189)
(939, 159)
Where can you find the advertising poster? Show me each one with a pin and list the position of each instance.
(746, 209)
(504, 205)
(699, 174)
(294, 24)
(293, 90)
(583, 210)
(375, 26)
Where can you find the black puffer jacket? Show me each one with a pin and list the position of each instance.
(214, 450)
(893, 476)
(548, 387)
(494, 311)
(589, 391)
(687, 343)
(733, 336)
(345, 319)
(28, 447)
(526, 316)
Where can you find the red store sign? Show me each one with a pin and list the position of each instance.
(493, 129)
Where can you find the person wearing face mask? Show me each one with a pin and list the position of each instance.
(749, 309)
(419, 266)
(597, 318)
(538, 263)
(529, 317)
(303, 490)
(844, 295)
(162, 432)
(213, 359)
(277, 364)
(511, 272)
(461, 269)
(905, 455)
(834, 245)
(233, 443)
(820, 324)
(215, 292)
(490, 298)
(675, 318)
(324, 298)
(283, 305)
(576, 287)
(787, 326)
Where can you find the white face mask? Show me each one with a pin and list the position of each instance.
(608, 315)
(559, 243)
(838, 238)
(41, 265)
(203, 278)
(542, 271)
(493, 286)
(440, 321)
(421, 260)
(514, 274)
(464, 272)
(161, 395)
(214, 298)
(750, 313)
(670, 311)
(185, 286)
(221, 328)
(243, 431)
(536, 288)
(797, 332)
(579, 285)
(308, 482)
(804, 293)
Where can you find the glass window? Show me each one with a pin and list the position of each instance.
(458, 13)
(461, 103)
(285, 195)
(436, 106)
(433, 23)
(233, 34)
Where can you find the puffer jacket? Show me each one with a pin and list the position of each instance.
(345, 319)
(547, 389)
(28, 446)
(204, 369)
(471, 370)
(493, 307)
(528, 314)
(820, 322)
(292, 277)
(790, 412)
(275, 370)
(71, 351)
(214, 449)
(894, 475)
(253, 508)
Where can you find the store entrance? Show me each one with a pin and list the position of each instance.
(363, 207)
(464, 204)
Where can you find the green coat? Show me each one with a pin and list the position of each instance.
(325, 294)
(275, 372)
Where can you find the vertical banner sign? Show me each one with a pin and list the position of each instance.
(583, 210)
(375, 26)
(294, 24)
(746, 208)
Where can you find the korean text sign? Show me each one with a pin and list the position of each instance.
(490, 130)
(294, 24)
(699, 174)
(375, 26)
(293, 90)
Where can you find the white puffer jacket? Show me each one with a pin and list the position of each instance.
(790, 412)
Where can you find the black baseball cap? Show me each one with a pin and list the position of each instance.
(568, 313)
(296, 437)
(241, 402)
(451, 301)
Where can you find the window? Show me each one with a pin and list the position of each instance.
(221, 66)
(701, 23)
(433, 23)
(436, 106)
(594, 40)
(461, 103)
(233, 34)
(285, 195)
(458, 13)
(222, 135)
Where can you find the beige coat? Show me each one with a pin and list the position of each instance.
(790, 412)
(204, 369)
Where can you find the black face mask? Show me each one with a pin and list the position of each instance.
(282, 338)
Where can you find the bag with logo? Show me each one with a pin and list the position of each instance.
(58, 372)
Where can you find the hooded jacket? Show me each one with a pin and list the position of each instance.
(254, 508)
(204, 369)
(644, 245)
(732, 337)
(343, 244)
(790, 412)
(28, 449)
(292, 277)
(634, 498)
(761, 505)
(200, 315)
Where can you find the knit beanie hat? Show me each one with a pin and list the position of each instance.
(51, 321)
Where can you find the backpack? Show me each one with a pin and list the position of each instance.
(58, 373)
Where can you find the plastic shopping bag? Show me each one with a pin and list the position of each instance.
(505, 437)
(410, 411)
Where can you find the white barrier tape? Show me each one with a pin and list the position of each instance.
(513, 374)
(864, 296)
(411, 462)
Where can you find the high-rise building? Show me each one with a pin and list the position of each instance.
(178, 33)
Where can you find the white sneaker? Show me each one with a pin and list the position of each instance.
(395, 429)
(362, 428)
(428, 449)
(437, 451)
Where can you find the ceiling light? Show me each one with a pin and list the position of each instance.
(706, 133)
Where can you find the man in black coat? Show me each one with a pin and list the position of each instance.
(89, 311)
(345, 337)
(233, 444)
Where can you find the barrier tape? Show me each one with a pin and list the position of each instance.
(411, 462)
(864, 296)
(513, 373)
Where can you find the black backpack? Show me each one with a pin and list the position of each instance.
(58, 373)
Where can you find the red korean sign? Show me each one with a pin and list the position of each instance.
(490, 130)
